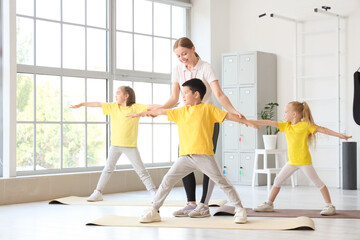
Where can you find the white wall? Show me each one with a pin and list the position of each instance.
(235, 26)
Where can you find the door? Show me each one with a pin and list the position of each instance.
(231, 135)
(231, 167)
(247, 69)
(230, 69)
(247, 103)
(246, 168)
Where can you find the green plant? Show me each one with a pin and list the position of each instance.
(268, 113)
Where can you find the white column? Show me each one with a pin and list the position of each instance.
(9, 87)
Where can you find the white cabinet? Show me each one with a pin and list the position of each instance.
(237, 167)
(249, 81)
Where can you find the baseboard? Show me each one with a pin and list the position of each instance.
(46, 187)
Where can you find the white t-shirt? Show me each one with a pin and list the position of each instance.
(202, 70)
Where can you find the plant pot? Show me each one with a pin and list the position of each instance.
(270, 141)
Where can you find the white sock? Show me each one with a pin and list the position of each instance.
(270, 202)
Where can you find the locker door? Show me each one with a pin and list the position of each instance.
(247, 69)
(247, 138)
(230, 70)
(246, 168)
(231, 135)
(247, 102)
(231, 166)
(233, 95)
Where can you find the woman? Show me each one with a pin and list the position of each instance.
(191, 66)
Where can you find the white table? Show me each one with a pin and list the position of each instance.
(265, 169)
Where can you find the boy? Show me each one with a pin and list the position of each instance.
(195, 124)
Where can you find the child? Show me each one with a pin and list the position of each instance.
(196, 124)
(124, 132)
(299, 130)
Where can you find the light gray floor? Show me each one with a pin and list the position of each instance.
(43, 221)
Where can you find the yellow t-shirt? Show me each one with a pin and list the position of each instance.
(297, 141)
(124, 131)
(196, 127)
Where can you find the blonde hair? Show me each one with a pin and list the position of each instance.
(128, 90)
(304, 111)
(186, 43)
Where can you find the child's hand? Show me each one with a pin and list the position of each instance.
(345, 137)
(75, 106)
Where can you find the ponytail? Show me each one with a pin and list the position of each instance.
(304, 110)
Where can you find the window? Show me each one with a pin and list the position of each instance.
(67, 53)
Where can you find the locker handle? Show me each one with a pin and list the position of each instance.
(230, 124)
(231, 157)
(230, 92)
(247, 157)
(240, 170)
(240, 139)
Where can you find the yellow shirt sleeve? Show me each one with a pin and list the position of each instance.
(312, 128)
(173, 114)
(282, 126)
(141, 107)
(218, 114)
(107, 108)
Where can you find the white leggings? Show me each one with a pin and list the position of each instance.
(288, 170)
(134, 157)
(187, 164)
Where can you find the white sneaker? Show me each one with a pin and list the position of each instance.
(328, 210)
(200, 211)
(265, 207)
(150, 215)
(184, 212)
(240, 215)
(95, 196)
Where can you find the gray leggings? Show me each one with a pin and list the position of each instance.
(134, 157)
(185, 165)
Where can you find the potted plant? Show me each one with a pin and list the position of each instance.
(268, 113)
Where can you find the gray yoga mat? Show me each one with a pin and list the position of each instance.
(311, 213)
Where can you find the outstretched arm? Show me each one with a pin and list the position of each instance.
(327, 131)
(223, 99)
(86, 104)
(174, 98)
(235, 118)
(261, 123)
(151, 113)
(153, 106)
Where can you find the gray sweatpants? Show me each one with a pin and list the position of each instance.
(134, 157)
(187, 164)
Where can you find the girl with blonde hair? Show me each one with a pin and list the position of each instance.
(300, 130)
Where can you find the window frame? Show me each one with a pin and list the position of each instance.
(111, 74)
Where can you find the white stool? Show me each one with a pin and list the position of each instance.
(267, 170)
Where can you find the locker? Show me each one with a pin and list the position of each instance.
(230, 67)
(247, 104)
(247, 138)
(231, 135)
(247, 69)
(246, 167)
(231, 166)
(232, 94)
(249, 81)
